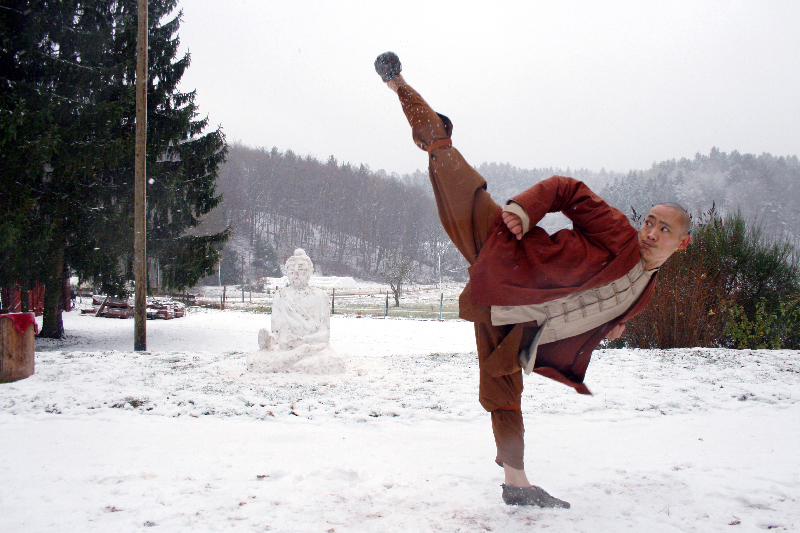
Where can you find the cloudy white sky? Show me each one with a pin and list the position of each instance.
(579, 84)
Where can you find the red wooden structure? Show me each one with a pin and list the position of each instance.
(12, 299)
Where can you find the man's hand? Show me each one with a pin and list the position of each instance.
(514, 223)
(616, 332)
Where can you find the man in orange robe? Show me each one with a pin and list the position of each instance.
(538, 302)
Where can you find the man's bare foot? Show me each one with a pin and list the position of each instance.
(396, 82)
(515, 478)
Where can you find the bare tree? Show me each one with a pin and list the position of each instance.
(396, 270)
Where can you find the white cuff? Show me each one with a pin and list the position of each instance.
(516, 209)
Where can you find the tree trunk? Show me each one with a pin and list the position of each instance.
(24, 298)
(52, 323)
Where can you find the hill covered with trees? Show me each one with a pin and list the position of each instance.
(764, 189)
(354, 221)
(351, 221)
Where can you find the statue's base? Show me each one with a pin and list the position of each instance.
(307, 359)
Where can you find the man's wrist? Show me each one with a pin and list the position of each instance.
(516, 209)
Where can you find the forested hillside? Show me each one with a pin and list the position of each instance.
(358, 222)
(764, 188)
(351, 221)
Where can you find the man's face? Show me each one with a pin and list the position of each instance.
(661, 235)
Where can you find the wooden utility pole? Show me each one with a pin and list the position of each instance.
(140, 188)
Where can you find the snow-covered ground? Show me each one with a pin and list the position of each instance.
(182, 438)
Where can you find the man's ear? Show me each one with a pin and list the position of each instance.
(684, 242)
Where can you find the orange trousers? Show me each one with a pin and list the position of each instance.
(467, 212)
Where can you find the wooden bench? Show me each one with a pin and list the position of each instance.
(16, 349)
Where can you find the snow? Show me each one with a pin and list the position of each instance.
(182, 438)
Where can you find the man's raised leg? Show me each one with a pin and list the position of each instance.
(466, 210)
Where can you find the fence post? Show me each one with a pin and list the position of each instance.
(441, 301)
(386, 305)
(333, 301)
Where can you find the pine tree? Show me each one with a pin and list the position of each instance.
(265, 260)
(24, 135)
(272, 268)
(230, 271)
(67, 119)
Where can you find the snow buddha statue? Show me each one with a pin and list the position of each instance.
(301, 320)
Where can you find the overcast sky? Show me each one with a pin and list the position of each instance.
(595, 84)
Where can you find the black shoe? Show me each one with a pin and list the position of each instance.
(532, 495)
(388, 66)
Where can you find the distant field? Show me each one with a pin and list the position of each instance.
(418, 301)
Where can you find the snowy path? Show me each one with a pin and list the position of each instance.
(181, 438)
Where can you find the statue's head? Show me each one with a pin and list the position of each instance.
(299, 268)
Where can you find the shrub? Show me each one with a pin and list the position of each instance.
(733, 287)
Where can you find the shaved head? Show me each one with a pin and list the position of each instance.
(664, 231)
(685, 220)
